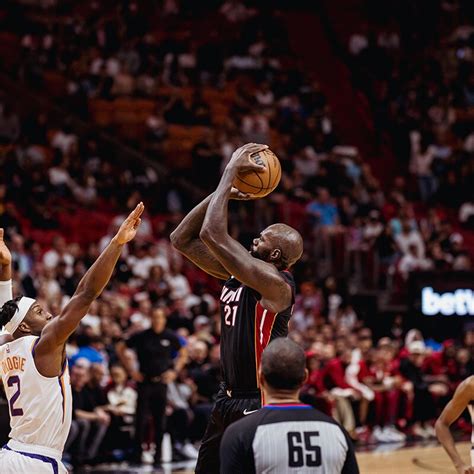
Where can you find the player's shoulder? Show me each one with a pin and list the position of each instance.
(22, 344)
(4, 338)
(276, 413)
(287, 277)
(469, 383)
(300, 411)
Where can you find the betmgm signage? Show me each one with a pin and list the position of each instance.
(449, 303)
(441, 303)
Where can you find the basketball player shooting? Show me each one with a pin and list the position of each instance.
(256, 300)
(33, 361)
(463, 398)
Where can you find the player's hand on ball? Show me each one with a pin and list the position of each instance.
(5, 255)
(241, 161)
(129, 226)
(237, 195)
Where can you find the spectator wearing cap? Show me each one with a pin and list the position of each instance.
(423, 405)
(440, 366)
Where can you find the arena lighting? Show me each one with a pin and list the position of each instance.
(458, 303)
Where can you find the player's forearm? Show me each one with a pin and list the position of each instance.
(190, 227)
(215, 221)
(446, 439)
(98, 275)
(6, 292)
(5, 272)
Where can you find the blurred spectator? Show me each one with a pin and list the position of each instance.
(90, 421)
(58, 253)
(9, 124)
(423, 404)
(409, 237)
(121, 405)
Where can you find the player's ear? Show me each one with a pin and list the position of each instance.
(306, 375)
(23, 327)
(261, 378)
(275, 255)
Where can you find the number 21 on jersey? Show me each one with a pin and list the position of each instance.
(230, 313)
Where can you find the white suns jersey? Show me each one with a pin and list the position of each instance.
(40, 407)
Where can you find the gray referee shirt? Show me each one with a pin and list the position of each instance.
(285, 439)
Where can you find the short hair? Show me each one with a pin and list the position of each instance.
(8, 310)
(283, 364)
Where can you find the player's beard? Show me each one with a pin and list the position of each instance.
(261, 255)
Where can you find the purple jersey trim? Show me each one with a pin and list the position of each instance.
(39, 457)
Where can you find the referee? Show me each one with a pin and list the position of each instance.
(285, 436)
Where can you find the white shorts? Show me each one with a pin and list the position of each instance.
(12, 462)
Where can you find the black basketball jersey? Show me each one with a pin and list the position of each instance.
(246, 329)
(285, 439)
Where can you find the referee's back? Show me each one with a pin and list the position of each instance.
(284, 439)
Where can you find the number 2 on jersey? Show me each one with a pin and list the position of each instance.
(14, 380)
(300, 454)
(230, 310)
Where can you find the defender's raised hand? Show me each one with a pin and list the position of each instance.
(5, 255)
(129, 227)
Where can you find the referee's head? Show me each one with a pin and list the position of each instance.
(283, 369)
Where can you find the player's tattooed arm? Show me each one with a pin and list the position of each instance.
(453, 410)
(255, 273)
(56, 332)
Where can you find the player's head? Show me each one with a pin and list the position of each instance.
(279, 244)
(283, 368)
(23, 316)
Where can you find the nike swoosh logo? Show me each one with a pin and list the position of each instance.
(246, 412)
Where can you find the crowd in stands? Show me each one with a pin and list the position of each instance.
(380, 390)
(245, 65)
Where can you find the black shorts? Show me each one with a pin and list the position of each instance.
(226, 410)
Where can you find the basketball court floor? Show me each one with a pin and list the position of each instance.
(384, 459)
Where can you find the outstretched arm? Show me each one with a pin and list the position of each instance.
(56, 332)
(5, 271)
(453, 410)
(6, 293)
(257, 274)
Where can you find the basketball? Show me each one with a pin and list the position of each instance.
(262, 183)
